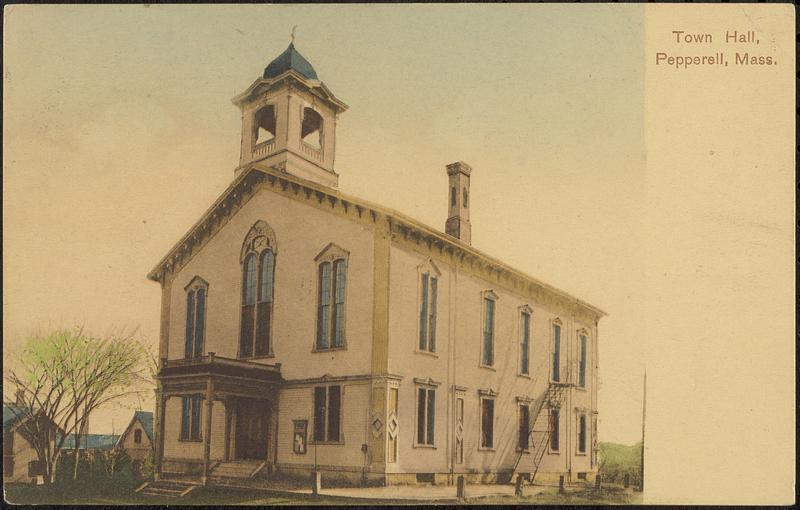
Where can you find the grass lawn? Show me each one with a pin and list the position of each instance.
(25, 494)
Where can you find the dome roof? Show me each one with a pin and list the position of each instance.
(290, 59)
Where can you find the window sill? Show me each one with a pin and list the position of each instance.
(581, 388)
(580, 454)
(426, 353)
(326, 443)
(524, 376)
(199, 440)
(329, 349)
(526, 451)
(486, 449)
(260, 356)
(488, 367)
(553, 452)
(425, 446)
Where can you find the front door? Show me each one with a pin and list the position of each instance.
(251, 430)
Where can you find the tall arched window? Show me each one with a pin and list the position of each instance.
(258, 276)
(196, 293)
(332, 277)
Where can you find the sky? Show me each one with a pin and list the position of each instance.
(119, 133)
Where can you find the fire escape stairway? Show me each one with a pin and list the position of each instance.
(529, 460)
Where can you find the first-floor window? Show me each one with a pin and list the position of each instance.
(582, 433)
(327, 413)
(487, 423)
(524, 426)
(554, 430)
(8, 453)
(190, 418)
(426, 413)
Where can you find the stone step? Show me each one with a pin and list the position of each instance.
(167, 488)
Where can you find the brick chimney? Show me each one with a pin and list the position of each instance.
(458, 224)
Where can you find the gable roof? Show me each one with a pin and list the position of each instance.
(146, 419)
(252, 175)
(143, 417)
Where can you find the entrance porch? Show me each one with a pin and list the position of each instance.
(246, 430)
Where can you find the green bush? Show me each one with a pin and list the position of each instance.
(106, 471)
(617, 460)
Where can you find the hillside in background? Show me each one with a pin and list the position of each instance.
(618, 459)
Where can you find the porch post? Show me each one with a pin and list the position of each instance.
(207, 431)
(161, 406)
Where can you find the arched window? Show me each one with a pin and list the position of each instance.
(331, 286)
(196, 293)
(311, 129)
(264, 125)
(258, 276)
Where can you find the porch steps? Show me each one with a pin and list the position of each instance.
(167, 488)
(237, 469)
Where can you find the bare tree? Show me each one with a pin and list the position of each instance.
(64, 375)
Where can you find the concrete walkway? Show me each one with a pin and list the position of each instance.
(421, 492)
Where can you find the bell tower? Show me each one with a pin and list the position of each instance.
(289, 120)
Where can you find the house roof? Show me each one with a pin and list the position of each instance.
(146, 419)
(230, 200)
(12, 414)
(91, 441)
(290, 59)
(143, 417)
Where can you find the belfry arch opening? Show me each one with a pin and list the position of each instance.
(265, 124)
(311, 130)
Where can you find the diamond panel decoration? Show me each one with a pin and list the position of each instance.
(459, 431)
(377, 426)
(392, 426)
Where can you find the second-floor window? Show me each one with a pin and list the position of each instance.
(257, 292)
(556, 370)
(330, 309)
(137, 436)
(525, 343)
(196, 293)
(582, 362)
(427, 313)
(582, 433)
(487, 347)
(258, 289)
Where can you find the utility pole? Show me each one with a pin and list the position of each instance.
(644, 410)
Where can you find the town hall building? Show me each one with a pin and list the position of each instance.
(303, 329)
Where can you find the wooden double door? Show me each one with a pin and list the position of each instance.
(252, 430)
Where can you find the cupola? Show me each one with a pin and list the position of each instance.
(289, 120)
